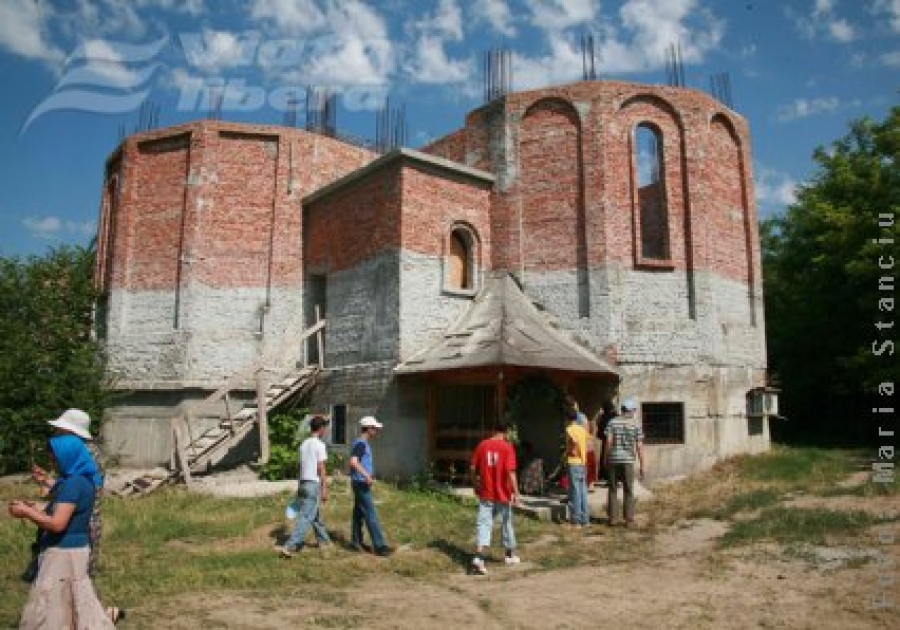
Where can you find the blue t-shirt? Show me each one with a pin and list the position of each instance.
(362, 451)
(79, 491)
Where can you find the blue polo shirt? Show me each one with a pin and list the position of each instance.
(362, 451)
(77, 490)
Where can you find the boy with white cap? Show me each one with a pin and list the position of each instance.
(362, 476)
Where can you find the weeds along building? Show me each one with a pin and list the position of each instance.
(598, 239)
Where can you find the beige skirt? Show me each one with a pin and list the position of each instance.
(62, 596)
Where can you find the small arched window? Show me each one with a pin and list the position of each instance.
(651, 193)
(460, 270)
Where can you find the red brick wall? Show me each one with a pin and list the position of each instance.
(608, 113)
(622, 190)
(401, 205)
(726, 207)
(550, 171)
(234, 225)
(432, 202)
(452, 146)
(156, 207)
(350, 226)
(229, 184)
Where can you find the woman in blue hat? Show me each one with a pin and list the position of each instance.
(62, 593)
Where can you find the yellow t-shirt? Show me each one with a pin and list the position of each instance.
(576, 454)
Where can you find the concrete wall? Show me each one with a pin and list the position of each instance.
(400, 450)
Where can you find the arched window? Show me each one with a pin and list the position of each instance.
(461, 255)
(651, 193)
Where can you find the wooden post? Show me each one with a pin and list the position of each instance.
(261, 417)
(180, 455)
(320, 340)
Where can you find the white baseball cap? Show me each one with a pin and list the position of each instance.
(74, 421)
(370, 421)
(629, 405)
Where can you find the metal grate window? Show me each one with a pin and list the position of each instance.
(663, 422)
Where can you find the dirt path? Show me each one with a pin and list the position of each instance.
(685, 582)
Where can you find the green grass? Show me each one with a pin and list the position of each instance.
(744, 502)
(172, 543)
(800, 467)
(792, 525)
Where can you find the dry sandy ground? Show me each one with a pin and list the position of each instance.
(684, 582)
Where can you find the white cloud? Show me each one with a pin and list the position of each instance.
(774, 189)
(190, 7)
(215, 51)
(495, 13)
(24, 31)
(803, 108)
(841, 31)
(891, 59)
(562, 64)
(556, 15)
(654, 26)
(297, 16)
(823, 21)
(431, 65)
(107, 17)
(55, 227)
(892, 9)
(446, 21)
(346, 43)
(647, 29)
(108, 67)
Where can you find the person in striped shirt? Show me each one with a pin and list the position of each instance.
(624, 439)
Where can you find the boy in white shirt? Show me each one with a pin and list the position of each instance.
(312, 488)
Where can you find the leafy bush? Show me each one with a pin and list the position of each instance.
(49, 360)
(286, 432)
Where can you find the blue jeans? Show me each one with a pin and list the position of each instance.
(487, 512)
(578, 494)
(307, 515)
(364, 511)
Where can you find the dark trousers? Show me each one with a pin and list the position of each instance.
(625, 474)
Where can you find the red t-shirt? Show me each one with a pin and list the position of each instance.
(493, 460)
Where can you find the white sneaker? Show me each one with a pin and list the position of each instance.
(512, 560)
(478, 567)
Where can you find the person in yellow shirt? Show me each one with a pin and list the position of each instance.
(576, 460)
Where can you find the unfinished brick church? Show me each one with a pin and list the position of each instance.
(597, 239)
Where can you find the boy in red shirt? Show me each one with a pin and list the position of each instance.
(494, 480)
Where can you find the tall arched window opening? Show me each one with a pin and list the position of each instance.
(651, 193)
(461, 259)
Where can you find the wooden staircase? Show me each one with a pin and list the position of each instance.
(225, 429)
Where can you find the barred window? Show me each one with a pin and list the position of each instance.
(663, 422)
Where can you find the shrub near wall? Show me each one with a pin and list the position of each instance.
(49, 361)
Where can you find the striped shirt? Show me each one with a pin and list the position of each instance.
(624, 435)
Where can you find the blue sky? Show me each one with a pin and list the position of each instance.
(75, 73)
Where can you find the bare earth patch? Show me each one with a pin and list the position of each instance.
(684, 582)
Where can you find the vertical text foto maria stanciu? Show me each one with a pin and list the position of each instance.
(883, 411)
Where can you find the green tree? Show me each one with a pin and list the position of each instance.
(48, 358)
(821, 279)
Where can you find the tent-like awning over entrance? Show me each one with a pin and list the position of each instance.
(503, 327)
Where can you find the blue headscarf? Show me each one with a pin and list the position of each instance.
(73, 459)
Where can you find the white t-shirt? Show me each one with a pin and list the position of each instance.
(312, 451)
